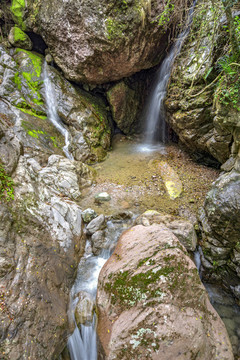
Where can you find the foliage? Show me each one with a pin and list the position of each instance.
(228, 92)
(6, 186)
(165, 16)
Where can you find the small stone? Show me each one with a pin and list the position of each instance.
(18, 38)
(101, 197)
(96, 224)
(98, 239)
(88, 215)
(49, 58)
(84, 309)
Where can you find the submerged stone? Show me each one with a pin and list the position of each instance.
(170, 178)
(102, 197)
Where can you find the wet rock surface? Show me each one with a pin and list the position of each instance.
(23, 107)
(195, 113)
(41, 244)
(220, 225)
(150, 301)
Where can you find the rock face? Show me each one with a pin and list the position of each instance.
(23, 106)
(99, 41)
(151, 301)
(41, 242)
(181, 228)
(221, 230)
(200, 118)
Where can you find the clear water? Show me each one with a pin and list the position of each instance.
(52, 111)
(82, 344)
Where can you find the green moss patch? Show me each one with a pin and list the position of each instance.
(17, 9)
(6, 186)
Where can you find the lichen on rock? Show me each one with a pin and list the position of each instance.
(150, 300)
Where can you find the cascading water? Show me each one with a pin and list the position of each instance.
(154, 112)
(82, 344)
(52, 110)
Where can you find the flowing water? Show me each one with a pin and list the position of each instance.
(52, 110)
(154, 112)
(82, 344)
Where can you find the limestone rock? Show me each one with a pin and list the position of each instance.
(99, 41)
(84, 309)
(170, 178)
(96, 224)
(23, 106)
(151, 301)
(98, 240)
(41, 242)
(124, 104)
(19, 39)
(10, 150)
(181, 228)
(221, 227)
(88, 215)
(102, 197)
(203, 125)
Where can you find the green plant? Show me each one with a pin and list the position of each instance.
(6, 186)
(229, 83)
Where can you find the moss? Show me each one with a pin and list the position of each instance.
(129, 290)
(6, 186)
(30, 76)
(19, 35)
(17, 9)
(41, 132)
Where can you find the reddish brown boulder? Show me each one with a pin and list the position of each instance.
(152, 304)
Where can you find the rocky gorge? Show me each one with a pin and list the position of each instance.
(76, 173)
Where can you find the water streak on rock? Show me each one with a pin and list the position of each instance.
(154, 112)
(52, 110)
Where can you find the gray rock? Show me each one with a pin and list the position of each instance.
(41, 242)
(92, 48)
(10, 150)
(96, 224)
(85, 308)
(236, 291)
(98, 240)
(88, 215)
(19, 39)
(183, 229)
(102, 197)
(49, 58)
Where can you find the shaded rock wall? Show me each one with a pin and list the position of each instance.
(202, 123)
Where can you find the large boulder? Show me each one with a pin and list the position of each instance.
(23, 106)
(100, 41)
(152, 304)
(197, 111)
(41, 242)
(220, 221)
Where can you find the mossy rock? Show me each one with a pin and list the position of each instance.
(19, 39)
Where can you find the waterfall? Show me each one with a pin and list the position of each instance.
(82, 344)
(154, 112)
(52, 110)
